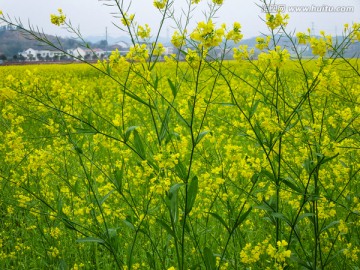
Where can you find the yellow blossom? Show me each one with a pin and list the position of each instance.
(218, 2)
(178, 40)
(160, 4)
(58, 19)
(144, 31)
(261, 43)
(138, 53)
(275, 21)
(158, 49)
(235, 33)
(302, 37)
(207, 34)
(242, 53)
(126, 20)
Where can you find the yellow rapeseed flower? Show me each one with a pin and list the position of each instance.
(218, 2)
(58, 19)
(178, 40)
(235, 33)
(207, 35)
(126, 20)
(192, 58)
(138, 53)
(275, 21)
(158, 49)
(261, 43)
(242, 53)
(302, 37)
(144, 31)
(160, 4)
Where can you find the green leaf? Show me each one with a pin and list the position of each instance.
(181, 171)
(133, 96)
(265, 207)
(119, 175)
(327, 159)
(103, 199)
(156, 82)
(111, 233)
(174, 189)
(138, 145)
(172, 202)
(68, 223)
(309, 165)
(210, 260)
(173, 88)
(242, 218)
(191, 101)
(172, 135)
(267, 174)
(129, 224)
(151, 260)
(219, 218)
(201, 135)
(166, 227)
(192, 192)
(128, 132)
(253, 108)
(280, 216)
(85, 131)
(165, 125)
(292, 186)
(78, 150)
(90, 240)
(63, 265)
(306, 215)
(332, 224)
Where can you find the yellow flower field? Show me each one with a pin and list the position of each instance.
(105, 172)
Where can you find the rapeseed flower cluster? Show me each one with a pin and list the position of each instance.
(207, 35)
(144, 31)
(218, 2)
(138, 53)
(250, 254)
(158, 49)
(277, 20)
(276, 58)
(355, 34)
(58, 19)
(235, 33)
(242, 53)
(351, 252)
(262, 43)
(279, 254)
(193, 58)
(178, 40)
(127, 19)
(160, 4)
(303, 38)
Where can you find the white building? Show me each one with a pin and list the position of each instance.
(37, 55)
(84, 53)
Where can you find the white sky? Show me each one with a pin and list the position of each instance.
(93, 16)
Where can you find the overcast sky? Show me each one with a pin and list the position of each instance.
(93, 16)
